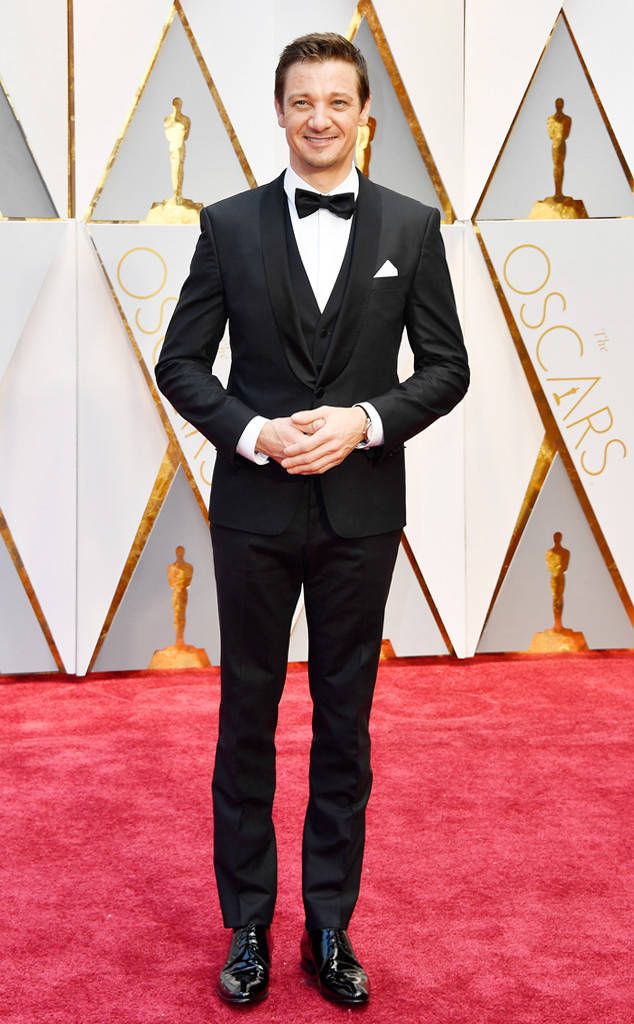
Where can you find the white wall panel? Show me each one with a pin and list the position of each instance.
(81, 439)
(37, 85)
(26, 254)
(435, 488)
(121, 443)
(604, 34)
(592, 171)
(37, 446)
(426, 40)
(409, 622)
(503, 43)
(576, 326)
(22, 642)
(591, 602)
(146, 266)
(143, 622)
(114, 44)
(392, 133)
(140, 173)
(503, 433)
(242, 47)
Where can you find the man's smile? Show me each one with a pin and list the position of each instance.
(318, 139)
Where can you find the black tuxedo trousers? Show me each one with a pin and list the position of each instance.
(336, 534)
(346, 583)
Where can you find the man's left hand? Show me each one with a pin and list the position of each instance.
(339, 433)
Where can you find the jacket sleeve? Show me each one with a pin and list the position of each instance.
(184, 368)
(441, 369)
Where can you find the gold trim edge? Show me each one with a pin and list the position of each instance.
(20, 568)
(442, 629)
(158, 494)
(554, 434)
(365, 9)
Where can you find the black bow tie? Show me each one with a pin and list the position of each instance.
(342, 205)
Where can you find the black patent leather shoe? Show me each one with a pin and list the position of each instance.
(244, 979)
(327, 953)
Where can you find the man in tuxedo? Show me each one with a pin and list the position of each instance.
(317, 274)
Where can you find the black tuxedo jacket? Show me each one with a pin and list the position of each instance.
(240, 272)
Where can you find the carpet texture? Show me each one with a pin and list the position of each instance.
(498, 883)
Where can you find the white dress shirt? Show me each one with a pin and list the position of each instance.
(321, 238)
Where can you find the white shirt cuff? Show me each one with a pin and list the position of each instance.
(248, 438)
(375, 430)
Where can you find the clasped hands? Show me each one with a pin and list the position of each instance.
(314, 440)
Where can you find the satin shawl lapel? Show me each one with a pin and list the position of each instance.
(357, 293)
(278, 279)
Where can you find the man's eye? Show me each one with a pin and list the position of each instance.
(301, 103)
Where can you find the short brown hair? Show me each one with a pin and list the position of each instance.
(318, 47)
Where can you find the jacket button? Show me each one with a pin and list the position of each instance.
(319, 392)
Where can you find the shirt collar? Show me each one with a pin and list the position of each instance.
(293, 181)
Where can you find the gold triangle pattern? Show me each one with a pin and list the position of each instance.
(407, 548)
(365, 10)
(174, 455)
(617, 148)
(160, 488)
(169, 430)
(543, 462)
(175, 11)
(20, 568)
(7, 98)
(554, 442)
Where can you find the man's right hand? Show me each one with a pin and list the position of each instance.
(278, 433)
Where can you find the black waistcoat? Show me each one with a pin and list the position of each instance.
(317, 327)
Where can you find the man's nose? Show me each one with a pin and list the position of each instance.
(319, 118)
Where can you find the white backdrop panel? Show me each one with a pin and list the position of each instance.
(426, 40)
(591, 603)
(112, 53)
(503, 43)
(408, 174)
(121, 443)
(435, 486)
(146, 266)
(409, 622)
(140, 174)
(576, 325)
(592, 171)
(241, 49)
(38, 86)
(503, 432)
(22, 642)
(26, 254)
(23, 191)
(604, 35)
(143, 622)
(38, 445)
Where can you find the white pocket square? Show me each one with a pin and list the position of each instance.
(387, 270)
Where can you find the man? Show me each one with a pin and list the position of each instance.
(318, 273)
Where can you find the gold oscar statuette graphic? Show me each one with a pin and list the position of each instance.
(176, 209)
(558, 638)
(387, 650)
(180, 654)
(559, 206)
(363, 149)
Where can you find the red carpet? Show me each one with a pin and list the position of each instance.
(499, 857)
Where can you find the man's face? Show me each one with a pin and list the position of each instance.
(321, 115)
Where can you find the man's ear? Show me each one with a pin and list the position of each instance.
(280, 113)
(365, 111)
